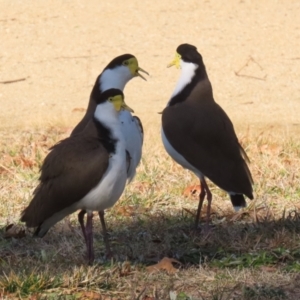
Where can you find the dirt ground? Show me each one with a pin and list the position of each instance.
(250, 48)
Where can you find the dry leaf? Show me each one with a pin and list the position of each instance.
(91, 295)
(28, 163)
(24, 162)
(14, 231)
(125, 210)
(271, 149)
(192, 191)
(148, 298)
(164, 264)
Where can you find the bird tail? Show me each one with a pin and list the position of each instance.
(238, 201)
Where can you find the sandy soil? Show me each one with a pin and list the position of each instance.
(250, 48)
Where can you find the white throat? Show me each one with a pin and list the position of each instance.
(108, 116)
(187, 73)
(115, 78)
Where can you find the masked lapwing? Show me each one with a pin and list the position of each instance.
(198, 134)
(86, 171)
(116, 75)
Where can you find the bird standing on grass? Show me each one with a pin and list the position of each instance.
(116, 75)
(198, 134)
(86, 171)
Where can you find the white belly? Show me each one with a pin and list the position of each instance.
(177, 156)
(133, 140)
(110, 188)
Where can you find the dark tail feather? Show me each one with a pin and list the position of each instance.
(238, 201)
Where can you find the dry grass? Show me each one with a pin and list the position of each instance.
(249, 255)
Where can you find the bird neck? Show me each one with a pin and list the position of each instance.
(191, 74)
(115, 78)
(188, 71)
(107, 115)
(108, 126)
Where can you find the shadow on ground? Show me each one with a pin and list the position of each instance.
(234, 243)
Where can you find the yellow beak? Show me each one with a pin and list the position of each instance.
(126, 107)
(175, 62)
(141, 70)
(119, 103)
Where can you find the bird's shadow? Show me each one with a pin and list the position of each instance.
(144, 239)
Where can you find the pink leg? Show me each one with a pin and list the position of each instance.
(204, 192)
(209, 200)
(201, 199)
(89, 237)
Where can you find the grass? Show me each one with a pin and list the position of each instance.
(253, 254)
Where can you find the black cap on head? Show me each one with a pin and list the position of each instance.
(117, 61)
(109, 93)
(189, 53)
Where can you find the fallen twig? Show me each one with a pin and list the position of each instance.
(249, 76)
(13, 80)
(250, 59)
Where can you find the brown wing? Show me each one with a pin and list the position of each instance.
(72, 168)
(84, 121)
(211, 147)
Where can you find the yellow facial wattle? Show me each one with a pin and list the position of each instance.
(119, 103)
(134, 68)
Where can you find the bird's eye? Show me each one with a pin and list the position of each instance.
(110, 99)
(125, 63)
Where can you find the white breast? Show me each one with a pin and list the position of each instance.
(187, 72)
(112, 184)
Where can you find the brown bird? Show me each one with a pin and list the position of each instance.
(116, 75)
(198, 134)
(86, 171)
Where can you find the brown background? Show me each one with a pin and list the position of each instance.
(61, 46)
